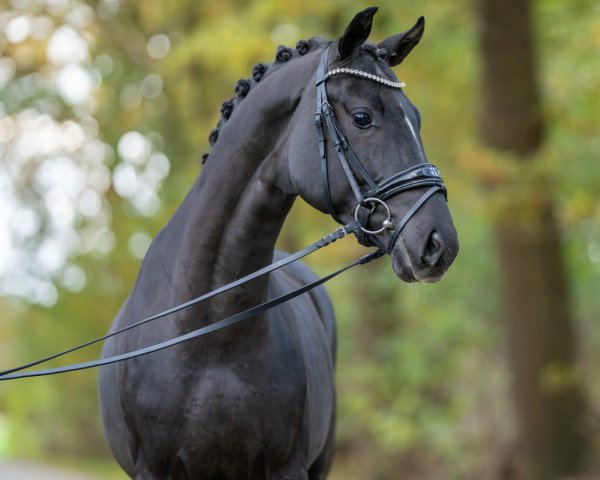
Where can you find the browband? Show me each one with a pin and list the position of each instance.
(359, 73)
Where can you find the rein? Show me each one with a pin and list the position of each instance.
(232, 320)
(325, 241)
(418, 176)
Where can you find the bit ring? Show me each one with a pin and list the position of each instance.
(385, 223)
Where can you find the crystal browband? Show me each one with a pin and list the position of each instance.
(365, 75)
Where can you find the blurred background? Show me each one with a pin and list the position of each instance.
(105, 110)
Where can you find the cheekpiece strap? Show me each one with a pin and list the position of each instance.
(418, 176)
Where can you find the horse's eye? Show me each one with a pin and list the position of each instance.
(361, 119)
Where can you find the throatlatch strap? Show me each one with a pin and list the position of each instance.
(345, 154)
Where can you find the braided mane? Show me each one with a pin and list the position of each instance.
(259, 71)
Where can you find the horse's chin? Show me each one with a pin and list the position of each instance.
(402, 264)
(403, 271)
(406, 270)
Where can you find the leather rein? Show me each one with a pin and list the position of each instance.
(418, 176)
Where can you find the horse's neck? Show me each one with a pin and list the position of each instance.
(226, 228)
(229, 222)
(233, 230)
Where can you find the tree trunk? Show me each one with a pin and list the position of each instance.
(546, 393)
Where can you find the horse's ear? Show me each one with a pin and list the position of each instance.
(399, 46)
(356, 33)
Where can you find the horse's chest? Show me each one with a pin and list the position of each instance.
(231, 414)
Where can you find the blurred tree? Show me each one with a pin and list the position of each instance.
(547, 393)
(150, 77)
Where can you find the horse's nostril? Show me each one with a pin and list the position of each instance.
(434, 249)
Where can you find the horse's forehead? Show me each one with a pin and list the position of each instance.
(369, 61)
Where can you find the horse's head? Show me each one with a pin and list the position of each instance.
(372, 148)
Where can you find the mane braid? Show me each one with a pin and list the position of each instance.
(259, 71)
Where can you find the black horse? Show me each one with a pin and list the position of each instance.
(257, 400)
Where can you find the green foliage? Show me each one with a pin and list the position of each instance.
(420, 367)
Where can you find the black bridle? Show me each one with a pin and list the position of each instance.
(418, 176)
